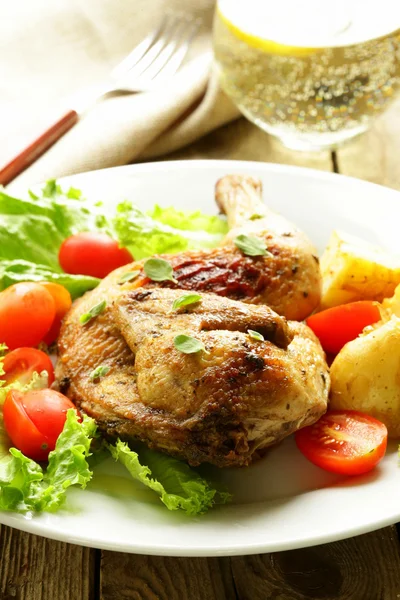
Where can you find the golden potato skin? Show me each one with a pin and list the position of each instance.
(353, 269)
(365, 375)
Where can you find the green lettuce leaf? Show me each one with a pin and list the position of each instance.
(20, 482)
(33, 229)
(189, 221)
(14, 271)
(68, 463)
(30, 238)
(178, 486)
(145, 236)
(25, 487)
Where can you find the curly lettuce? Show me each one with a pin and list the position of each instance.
(31, 232)
(177, 485)
(26, 487)
(33, 229)
(165, 230)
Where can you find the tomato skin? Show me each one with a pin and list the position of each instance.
(94, 254)
(63, 302)
(344, 441)
(27, 311)
(34, 420)
(336, 326)
(20, 364)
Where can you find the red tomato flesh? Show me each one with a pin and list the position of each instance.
(95, 254)
(34, 420)
(27, 311)
(344, 441)
(62, 300)
(336, 326)
(20, 364)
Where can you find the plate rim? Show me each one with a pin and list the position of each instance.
(200, 163)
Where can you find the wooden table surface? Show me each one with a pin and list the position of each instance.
(362, 568)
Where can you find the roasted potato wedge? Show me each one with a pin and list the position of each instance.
(365, 375)
(353, 269)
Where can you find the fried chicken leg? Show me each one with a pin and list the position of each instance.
(287, 279)
(220, 406)
(225, 404)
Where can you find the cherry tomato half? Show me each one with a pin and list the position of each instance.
(63, 302)
(336, 326)
(20, 364)
(344, 441)
(27, 311)
(94, 254)
(34, 420)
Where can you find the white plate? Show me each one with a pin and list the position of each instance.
(282, 502)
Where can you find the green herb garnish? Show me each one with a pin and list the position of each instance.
(188, 345)
(185, 300)
(255, 217)
(99, 371)
(158, 269)
(251, 245)
(96, 310)
(128, 276)
(255, 335)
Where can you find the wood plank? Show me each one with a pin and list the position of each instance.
(362, 568)
(134, 577)
(35, 568)
(241, 140)
(375, 155)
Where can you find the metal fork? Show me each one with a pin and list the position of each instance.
(150, 65)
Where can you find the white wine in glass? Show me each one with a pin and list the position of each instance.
(313, 73)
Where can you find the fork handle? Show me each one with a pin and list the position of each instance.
(38, 147)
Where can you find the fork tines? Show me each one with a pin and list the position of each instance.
(162, 52)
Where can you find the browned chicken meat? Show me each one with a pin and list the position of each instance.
(287, 279)
(228, 402)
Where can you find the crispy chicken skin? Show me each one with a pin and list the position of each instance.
(220, 406)
(226, 405)
(288, 279)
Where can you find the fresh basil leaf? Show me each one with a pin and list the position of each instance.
(255, 335)
(187, 344)
(251, 245)
(186, 300)
(158, 269)
(99, 371)
(128, 276)
(96, 310)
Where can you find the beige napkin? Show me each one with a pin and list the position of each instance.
(49, 49)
